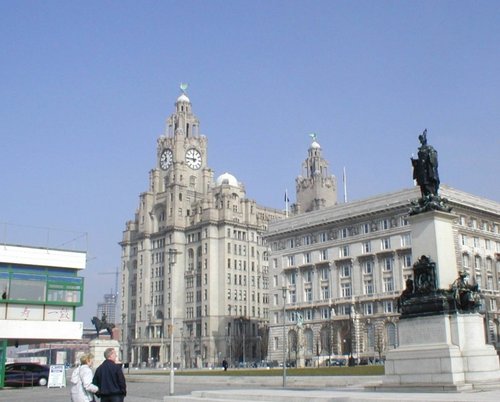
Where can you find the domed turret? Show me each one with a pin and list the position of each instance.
(227, 178)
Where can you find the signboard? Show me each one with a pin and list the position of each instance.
(57, 376)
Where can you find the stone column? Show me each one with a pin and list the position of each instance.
(432, 235)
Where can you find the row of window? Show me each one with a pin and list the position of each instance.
(327, 313)
(479, 263)
(483, 225)
(343, 251)
(345, 269)
(242, 280)
(345, 291)
(345, 232)
(478, 242)
(40, 288)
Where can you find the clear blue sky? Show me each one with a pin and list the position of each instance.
(86, 87)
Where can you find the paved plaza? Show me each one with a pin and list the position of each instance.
(155, 388)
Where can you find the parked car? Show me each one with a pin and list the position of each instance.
(26, 374)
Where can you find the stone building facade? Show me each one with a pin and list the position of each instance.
(336, 272)
(206, 263)
(193, 259)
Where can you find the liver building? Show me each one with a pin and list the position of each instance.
(194, 256)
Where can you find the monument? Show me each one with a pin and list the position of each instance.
(442, 342)
(97, 346)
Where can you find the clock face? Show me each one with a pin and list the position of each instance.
(166, 159)
(193, 158)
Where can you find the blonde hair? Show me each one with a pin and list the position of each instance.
(86, 358)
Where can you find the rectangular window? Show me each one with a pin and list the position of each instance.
(323, 255)
(388, 306)
(388, 284)
(323, 237)
(366, 247)
(291, 260)
(368, 287)
(307, 258)
(344, 251)
(27, 287)
(388, 264)
(365, 228)
(464, 240)
(308, 294)
(386, 243)
(345, 271)
(367, 267)
(368, 308)
(346, 289)
(406, 240)
(407, 261)
(325, 274)
(325, 293)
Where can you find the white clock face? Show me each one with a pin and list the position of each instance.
(166, 159)
(193, 158)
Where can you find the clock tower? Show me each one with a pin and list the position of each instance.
(181, 176)
(189, 234)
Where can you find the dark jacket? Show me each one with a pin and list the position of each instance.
(110, 379)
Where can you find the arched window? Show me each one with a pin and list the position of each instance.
(370, 336)
(391, 335)
(326, 340)
(309, 338)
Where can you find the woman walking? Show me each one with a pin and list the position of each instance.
(82, 389)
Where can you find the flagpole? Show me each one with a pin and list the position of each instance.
(344, 179)
(286, 203)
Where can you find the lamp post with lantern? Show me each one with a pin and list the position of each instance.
(172, 259)
(283, 289)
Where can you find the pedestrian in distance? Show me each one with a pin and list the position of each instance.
(82, 389)
(224, 364)
(110, 379)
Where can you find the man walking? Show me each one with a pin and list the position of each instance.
(110, 379)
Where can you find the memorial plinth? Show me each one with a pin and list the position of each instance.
(432, 234)
(98, 346)
(442, 345)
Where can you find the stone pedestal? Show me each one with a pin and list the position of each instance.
(98, 346)
(432, 235)
(442, 352)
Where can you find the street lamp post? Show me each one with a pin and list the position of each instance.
(283, 289)
(172, 256)
(351, 358)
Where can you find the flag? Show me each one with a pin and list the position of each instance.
(287, 200)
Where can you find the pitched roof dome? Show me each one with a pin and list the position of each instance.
(227, 178)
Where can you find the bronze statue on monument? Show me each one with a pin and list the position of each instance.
(101, 324)
(425, 172)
